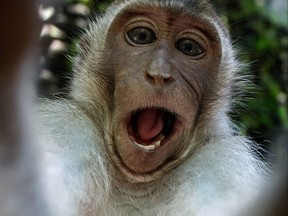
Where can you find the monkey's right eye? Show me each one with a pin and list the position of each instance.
(190, 47)
(141, 36)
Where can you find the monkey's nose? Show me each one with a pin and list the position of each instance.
(159, 72)
(159, 78)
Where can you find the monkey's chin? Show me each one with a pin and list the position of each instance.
(149, 144)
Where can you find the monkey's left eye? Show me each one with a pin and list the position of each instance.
(189, 47)
(141, 36)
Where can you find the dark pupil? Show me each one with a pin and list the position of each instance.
(141, 36)
(189, 47)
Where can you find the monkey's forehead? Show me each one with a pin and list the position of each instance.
(198, 9)
(189, 7)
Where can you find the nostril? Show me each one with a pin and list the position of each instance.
(159, 78)
(167, 79)
(150, 78)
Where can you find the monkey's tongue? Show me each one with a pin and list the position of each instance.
(150, 124)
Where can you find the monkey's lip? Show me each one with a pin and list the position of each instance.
(151, 128)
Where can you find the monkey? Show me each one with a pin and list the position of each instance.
(145, 129)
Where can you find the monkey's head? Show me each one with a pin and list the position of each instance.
(155, 73)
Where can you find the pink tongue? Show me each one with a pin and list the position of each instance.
(150, 124)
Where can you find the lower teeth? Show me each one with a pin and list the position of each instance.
(153, 146)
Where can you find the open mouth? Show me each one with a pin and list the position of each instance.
(151, 128)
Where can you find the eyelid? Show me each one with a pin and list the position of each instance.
(141, 22)
(195, 36)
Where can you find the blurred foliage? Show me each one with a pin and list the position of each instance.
(260, 33)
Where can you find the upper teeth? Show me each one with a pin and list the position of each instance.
(152, 146)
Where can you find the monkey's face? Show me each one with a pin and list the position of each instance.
(164, 63)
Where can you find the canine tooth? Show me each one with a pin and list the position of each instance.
(157, 143)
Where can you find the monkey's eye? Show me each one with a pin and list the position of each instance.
(189, 47)
(141, 36)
